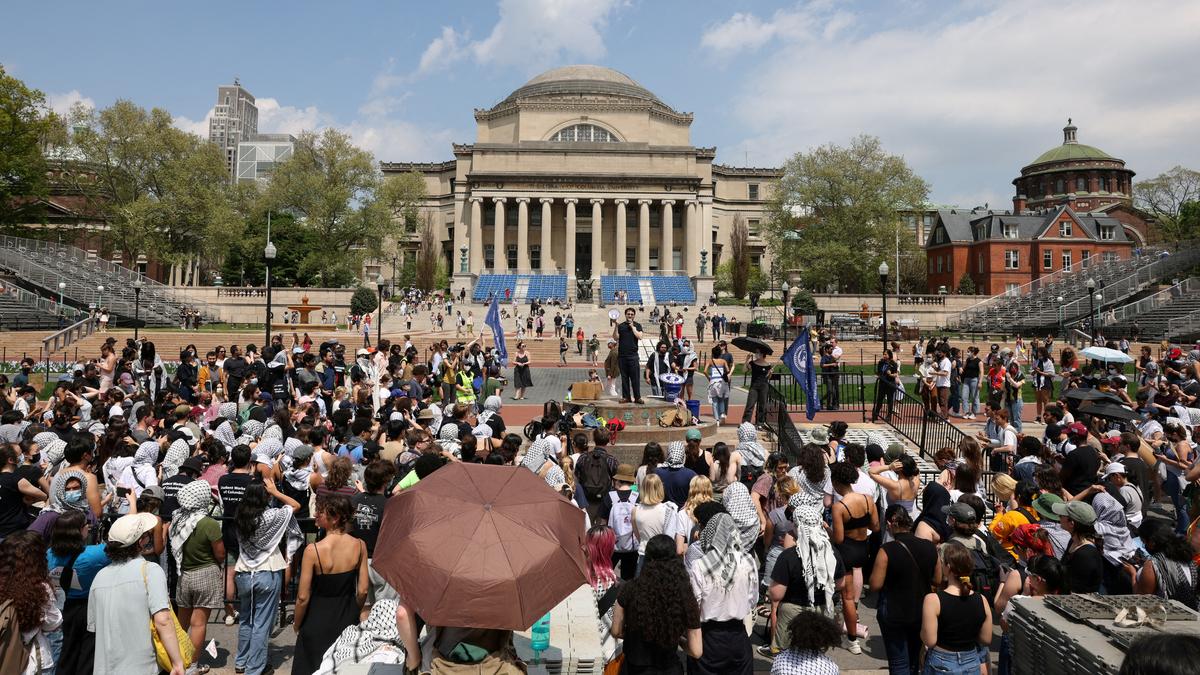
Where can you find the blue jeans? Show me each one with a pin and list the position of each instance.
(941, 662)
(1005, 655)
(258, 593)
(903, 647)
(1014, 413)
(970, 396)
(720, 407)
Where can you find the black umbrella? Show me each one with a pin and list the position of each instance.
(752, 344)
(1109, 411)
(1081, 394)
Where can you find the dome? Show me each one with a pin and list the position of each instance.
(583, 79)
(1071, 149)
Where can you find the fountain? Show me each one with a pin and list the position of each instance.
(304, 309)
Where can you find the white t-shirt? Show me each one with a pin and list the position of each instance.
(941, 380)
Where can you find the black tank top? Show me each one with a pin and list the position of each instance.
(959, 621)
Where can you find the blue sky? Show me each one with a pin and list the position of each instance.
(967, 91)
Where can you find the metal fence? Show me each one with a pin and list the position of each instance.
(844, 392)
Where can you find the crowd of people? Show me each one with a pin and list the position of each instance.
(240, 483)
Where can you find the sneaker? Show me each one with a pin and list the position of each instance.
(765, 650)
(231, 619)
(854, 647)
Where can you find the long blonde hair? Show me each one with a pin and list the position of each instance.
(699, 491)
(651, 493)
(568, 469)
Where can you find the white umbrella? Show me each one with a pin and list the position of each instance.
(1106, 355)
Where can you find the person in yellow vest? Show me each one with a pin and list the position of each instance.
(464, 387)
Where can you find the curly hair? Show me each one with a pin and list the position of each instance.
(813, 631)
(812, 462)
(659, 604)
(843, 473)
(339, 473)
(336, 508)
(25, 577)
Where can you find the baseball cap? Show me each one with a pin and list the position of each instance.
(361, 352)
(266, 396)
(961, 512)
(156, 492)
(1077, 429)
(625, 473)
(195, 464)
(1080, 512)
(1114, 467)
(895, 451)
(1045, 503)
(819, 435)
(128, 529)
(693, 435)
(302, 453)
(1111, 440)
(183, 409)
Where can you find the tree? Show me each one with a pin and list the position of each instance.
(333, 188)
(838, 210)
(363, 301)
(723, 275)
(1164, 197)
(739, 256)
(403, 195)
(429, 254)
(27, 125)
(803, 301)
(966, 285)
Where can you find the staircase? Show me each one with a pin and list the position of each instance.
(1153, 313)
(647, 290)
(521, 292)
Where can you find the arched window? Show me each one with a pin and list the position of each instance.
(585, 133)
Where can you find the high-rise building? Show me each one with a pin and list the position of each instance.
(235, 119)
(258, 156)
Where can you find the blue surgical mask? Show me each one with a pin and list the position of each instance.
(73, 496)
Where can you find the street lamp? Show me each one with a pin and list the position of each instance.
(379, 323)
(883, 277)
(1099, 301)
(99, 291)
(785, 288)
(462, 263)
(137, 306)
(62, 287)
(1091, 287)
(269, 252)
(1061, 335)
(393, 275)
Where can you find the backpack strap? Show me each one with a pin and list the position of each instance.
(609, 598)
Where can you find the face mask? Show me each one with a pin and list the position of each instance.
(73, 496)
(254, 381)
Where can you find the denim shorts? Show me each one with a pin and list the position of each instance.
(939, 661)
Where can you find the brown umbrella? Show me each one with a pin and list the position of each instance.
(482, 546)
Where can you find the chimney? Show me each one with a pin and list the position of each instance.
(1018, 205)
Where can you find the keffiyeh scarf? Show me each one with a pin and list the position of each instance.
(358, 643)
(228, 410)
(1112, 526)
(225, 432)
(736, 500)
(273, 526)
(177, 453)
(723, 553)
(267, 451)
(816, 553)
(751, 450)
(53, 454)
(535, 456)
(491, 406)
(676, 453)
(58, 492)
(195, 501)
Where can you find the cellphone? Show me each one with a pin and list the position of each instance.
(122, 492)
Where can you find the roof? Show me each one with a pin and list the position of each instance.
(964, 225)
(582, 79)
(1071, 151)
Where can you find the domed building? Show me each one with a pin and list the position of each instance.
(582, 181)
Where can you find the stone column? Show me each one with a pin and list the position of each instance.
(500, 257)
(476, 239)
(620, 265)
(522, 234)
(460, 235)
(597, 239)
(547, 259)
(643, 236)
(691, 249)
(666, 257)
(569, 249)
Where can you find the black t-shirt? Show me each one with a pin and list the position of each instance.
(235, 372)
(759, 374)
(12, 505)
(29, 472)
(1085, 568)
(970, 369)
(910, 563)
(231, 487)
(789, 572)
(1079, 468)
(627, 341)
(368, 517)
(171, 487)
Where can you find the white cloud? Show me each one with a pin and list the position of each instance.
(62, 103)
(274, 118)
(530, 35)
(968, 101)
(746, 32)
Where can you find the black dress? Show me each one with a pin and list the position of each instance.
(332, 608)
(521, 378)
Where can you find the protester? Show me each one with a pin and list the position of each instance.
(656, 613)
(25, 581)
(956, 621)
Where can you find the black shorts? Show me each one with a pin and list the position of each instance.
(854, 553)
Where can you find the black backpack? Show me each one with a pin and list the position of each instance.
(985, 577)
(594, 475)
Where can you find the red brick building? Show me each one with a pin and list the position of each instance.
(1073, 205)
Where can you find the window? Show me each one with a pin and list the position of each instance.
(512, 256)
(631, 257)
(928, 221)
(1066, 260)
(535, 216)
(1081, 185)
(1059, 188)
(1110, 257)
(1011, 231)
(753, 191)
(584, 133)
(1108, 232)
(939, 264)
(489, 256)
(1084, 257)
(1048, 260)
(752, 227)
(1012, 259)
(535, 256)
(1064, 228)
(979, 262)
(1012, 289)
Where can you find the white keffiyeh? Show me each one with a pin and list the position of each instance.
(535, 456)
(751, 450)
(816, 553)
(177, 453)
(195, 502)
(364, 642)
(736, 500)
(676, 453)
(722, 550)
(268, 451)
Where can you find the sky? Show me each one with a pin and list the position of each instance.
(967, 91)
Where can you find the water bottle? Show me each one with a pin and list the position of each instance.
(539, 638)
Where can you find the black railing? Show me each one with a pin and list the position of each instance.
(779, 420)
(845, 392)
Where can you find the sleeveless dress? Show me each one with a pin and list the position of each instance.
(521, 378)
(332, 608)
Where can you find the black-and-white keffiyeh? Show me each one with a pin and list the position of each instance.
(273, 526)
(491, 406)
(273, 431)
(815, 552)
(268, 451)
(753, 453)
(177, 453)
(723, 552)
(676, 454)
(809, 494)
(228, 410)
(58, 492)
(361, 643)
(53, 454)
(448, 438)
(289, 447)
(736, 499)
(535, 456)
(225, 433)
(44, 438)
(251, 431)
(555, 478)
(195, 502)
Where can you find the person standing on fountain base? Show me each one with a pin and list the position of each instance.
(628, 336)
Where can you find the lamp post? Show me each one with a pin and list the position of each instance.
(393, 275)
(883, 277)
(785, 288)
(62, 287)
(379, 323)
(1061, 335)
(99, 292)
(462, 263)
(1091, 287)
(1099, 302)
(269, 252)
(137, 306)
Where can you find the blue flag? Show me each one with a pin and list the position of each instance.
(799, 360)
(493, 321)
